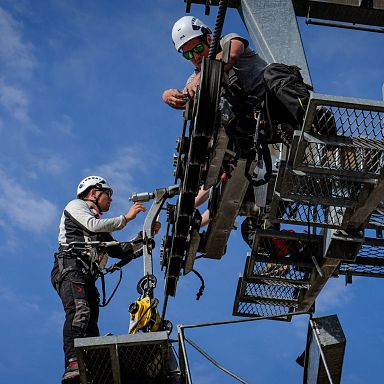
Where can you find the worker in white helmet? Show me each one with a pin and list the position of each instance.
(77, 267)
(288, 96)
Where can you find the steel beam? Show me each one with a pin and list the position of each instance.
(230, 200)
(325, 350)
(328, 268)
(348, 11)
(273, 28)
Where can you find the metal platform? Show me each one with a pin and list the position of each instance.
(333, 177)
(286, 271)
(342, 137)
(321, 189)
(350, 11)
(144, 358)
(301, 213)
(277, 274)
(369, 261)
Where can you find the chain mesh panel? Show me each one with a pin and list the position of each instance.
(282, 260)
(261, 309)
(281, 274)
(350, 122)
(369, 262)
(267, 291)
(142, 364)
(360, 156)
(376, 220)
(134, 359)
(370, 251)
(362, 269)
(98, 366)
(292, 212)
(321, 189)
(347, 139)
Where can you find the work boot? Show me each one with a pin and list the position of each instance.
(71, 373)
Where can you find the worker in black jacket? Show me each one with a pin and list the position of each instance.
(78, 262)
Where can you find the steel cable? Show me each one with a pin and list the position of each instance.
(223, 5)
(214, 362)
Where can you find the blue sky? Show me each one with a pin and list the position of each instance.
(80, 93)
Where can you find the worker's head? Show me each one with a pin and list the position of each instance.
(95, 189)
(192, 38)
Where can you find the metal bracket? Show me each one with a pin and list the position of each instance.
(341, 244)
(160, 196)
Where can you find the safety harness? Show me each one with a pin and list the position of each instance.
(250, 110)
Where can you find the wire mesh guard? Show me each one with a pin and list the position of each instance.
(321, 189)
(244, 308)
(343, 136)
(376, 221)
(303, 213)
(139, 358)
(369, 261)
(277, 274)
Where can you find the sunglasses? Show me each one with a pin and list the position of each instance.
(109, 192)
(197, 49)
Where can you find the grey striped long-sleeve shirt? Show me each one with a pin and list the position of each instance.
(80, 223)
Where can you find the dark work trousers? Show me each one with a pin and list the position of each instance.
(80, 300)
(287, 95)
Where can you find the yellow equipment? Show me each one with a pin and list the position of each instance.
(144, 315)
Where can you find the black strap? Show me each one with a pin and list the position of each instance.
(105, 302)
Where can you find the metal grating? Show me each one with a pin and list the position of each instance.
(255, 299)
(369, 261)
(117, 359)
(271, 293)
(372, 249)
(376, 221)
(282, 258)
(245, 309)
(369, 12)
(98, 366)
(342, 136)
(367, 270)
(269, 272)
(142, 362)
(321, 189)
(291, 212)
(345, 158)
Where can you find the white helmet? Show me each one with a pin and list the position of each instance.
(187, 28)
(91, 181)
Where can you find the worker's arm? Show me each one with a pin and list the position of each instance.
(202, 196)
(237, 49)
(204, 218)
(80, 213)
